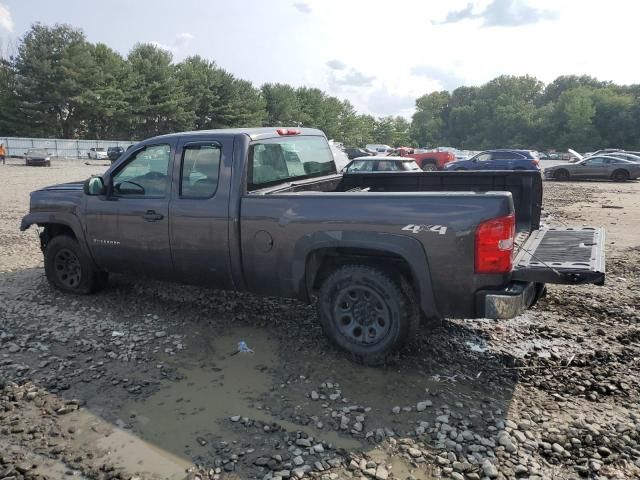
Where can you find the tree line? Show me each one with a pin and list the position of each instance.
(57, 84)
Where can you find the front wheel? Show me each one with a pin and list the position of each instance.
(367, 312)
(429, 167)
(69, 268)
(561, 175)
(620, 176)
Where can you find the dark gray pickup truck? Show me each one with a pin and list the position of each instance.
(263, 210)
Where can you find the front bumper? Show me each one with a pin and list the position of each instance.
(509, 301)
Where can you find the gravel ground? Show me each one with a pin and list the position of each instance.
(142, 380)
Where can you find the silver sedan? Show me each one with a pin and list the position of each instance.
(596, 167)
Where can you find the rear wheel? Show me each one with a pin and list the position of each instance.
(69, 269)
(561, 175)
(429, 167)
(367, 312)
(620, 175)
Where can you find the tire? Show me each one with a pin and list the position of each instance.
(349, 299)
(48, 164)
(561, 175)
(69, 269)
(620, 176)
(429, 167)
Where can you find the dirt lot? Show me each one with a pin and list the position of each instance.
(142, 380)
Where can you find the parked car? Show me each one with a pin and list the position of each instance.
(37, 157)
(498, 160)
(114, 153)
(275, 218)
(377, 148)
(98, 153)
(429, 161)
(357, 152)
(632, 157)
(381, 164)
(597, 167)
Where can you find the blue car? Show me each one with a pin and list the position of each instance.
(498, 160)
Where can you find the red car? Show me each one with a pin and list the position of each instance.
(428, 161)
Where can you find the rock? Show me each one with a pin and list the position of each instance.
(414, 452)
(461, 466)
(318, 448)
(556, 447)
(161, 334)
(314, 395)
(235, 418)
(344, 422)
(13, 348)
(489, 469)
(298, 460)
(303, 442)
(506, 441)
(299, 472)
(520, 469)
(457, 476)
(261, 461)
(395, 410)
(381, 473)
(604, 451)
(442, 419)
(421, 406)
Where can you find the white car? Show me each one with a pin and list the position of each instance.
(99, 153)
(378, 148)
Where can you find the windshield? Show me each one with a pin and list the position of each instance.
(37, 151)
(279, 160)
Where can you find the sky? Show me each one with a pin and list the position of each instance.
(378, 54)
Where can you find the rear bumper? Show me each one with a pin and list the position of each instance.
(509, 301)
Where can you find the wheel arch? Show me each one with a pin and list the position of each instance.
(54, 225)
(317, 255)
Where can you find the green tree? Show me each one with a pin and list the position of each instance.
(429, 122)
(107, 112)
(282, 105)
(157, 100)
(574, 114)
(9, 114)
(55, 84)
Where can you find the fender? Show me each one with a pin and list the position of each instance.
(60, 218)
(408, 248)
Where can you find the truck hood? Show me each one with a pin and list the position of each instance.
(55, 199)
(64, 186)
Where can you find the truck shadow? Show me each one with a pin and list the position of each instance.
(157, 363)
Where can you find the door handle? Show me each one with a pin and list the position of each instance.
(152, 216)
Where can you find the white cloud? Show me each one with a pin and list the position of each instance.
(6, 22)
(302, 7)
(177, 45)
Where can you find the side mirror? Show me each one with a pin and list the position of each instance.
(94, 186)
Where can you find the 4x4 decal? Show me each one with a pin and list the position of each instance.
(441, 229)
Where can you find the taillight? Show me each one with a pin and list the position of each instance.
(288, 131)
(494, 245)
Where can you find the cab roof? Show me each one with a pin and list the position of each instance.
(253, 133)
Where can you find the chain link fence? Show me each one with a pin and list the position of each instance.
(17, 146)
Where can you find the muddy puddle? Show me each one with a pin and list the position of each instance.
(185, 418)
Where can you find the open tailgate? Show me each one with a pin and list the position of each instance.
(568, 255)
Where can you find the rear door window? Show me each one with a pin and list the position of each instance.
(199, 171)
